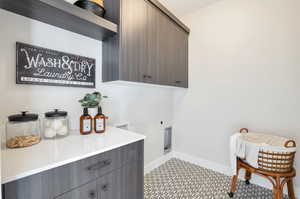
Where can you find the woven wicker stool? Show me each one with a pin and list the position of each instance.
(275, 167)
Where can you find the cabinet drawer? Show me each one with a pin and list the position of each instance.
(78, 173)
(75, 174)
(88, 191)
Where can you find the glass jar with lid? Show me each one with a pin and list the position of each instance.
(23, 130)
(56, 124)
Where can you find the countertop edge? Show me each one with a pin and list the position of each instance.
(68, 161)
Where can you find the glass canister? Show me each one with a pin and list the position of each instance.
(56, 124)
(23, 130)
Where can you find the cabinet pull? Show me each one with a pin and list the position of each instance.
(92, 194)
(147, 76)
(99, 165)
(178, 82)
(105, 187)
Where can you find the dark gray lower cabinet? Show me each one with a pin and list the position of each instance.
(125, 183)
(85, 192)
(117, 174)
(34, 187)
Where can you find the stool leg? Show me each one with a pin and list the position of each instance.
(290, 185)
(233, 185)
(277, 190)
(234, 180)
(248, 175)
(277, 193)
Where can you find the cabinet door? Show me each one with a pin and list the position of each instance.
(133, 39)
(165, 45)
(179, 69)
(109, 186)
(150, 69)
(88, 191)
(133, 180)
(173, 53)
(125, 183)
(34, 187)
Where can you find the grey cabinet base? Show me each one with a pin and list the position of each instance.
(117, 174)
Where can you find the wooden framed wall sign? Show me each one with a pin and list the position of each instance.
(41, 66)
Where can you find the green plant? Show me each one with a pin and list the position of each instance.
(91, 100)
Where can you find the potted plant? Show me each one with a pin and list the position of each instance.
(92, 102)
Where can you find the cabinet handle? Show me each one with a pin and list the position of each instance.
(92, 194)
(147, 76)
(105, 187)
(178, 82)
(99, 165)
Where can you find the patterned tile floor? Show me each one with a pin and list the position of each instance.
(177, 179)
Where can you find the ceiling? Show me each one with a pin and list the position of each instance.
(184, 7)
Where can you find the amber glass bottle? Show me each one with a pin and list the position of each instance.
(99, 122)
(85, 123)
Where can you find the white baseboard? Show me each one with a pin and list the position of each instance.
(203, 163)
(209, 165)
(158, 162)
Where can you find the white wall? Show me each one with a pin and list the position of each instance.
(146, 107)
(244, 72)
(39, 99)
(143, 106)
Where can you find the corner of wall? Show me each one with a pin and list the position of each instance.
(158, 162)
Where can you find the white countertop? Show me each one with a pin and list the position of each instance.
(49, 154)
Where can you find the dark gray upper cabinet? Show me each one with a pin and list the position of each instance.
(179, 74)
(133, 47)
(151, 47)
(149, 70)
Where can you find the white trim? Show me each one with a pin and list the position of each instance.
(158, 162)
(203, 163)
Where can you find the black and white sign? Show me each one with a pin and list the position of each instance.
(42, 66)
